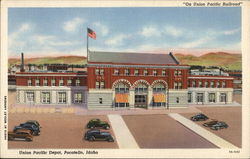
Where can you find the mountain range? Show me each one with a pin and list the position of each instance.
(221, 59)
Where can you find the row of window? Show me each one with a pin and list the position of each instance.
(53, 82)
(141, 88)
(211, 97)
(61, 97)
(207, 84)
(137, 73)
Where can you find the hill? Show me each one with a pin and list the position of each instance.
(222, 59)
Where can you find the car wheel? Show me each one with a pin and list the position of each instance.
(107, 127)
(110, 140)
(92, 127)
(91, 138)
(28, 139)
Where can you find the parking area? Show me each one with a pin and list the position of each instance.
(161, 131)
(58, 131)
(230, 115)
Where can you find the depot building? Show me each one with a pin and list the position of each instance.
(116, 80)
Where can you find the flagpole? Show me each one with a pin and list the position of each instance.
(87, 46)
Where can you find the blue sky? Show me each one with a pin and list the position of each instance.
(62, 31)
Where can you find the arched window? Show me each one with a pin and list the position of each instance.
(159, 87)
(141, 88)
(121, 88)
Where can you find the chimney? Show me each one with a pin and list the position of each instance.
(22, 63)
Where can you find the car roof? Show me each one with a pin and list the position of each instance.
(93, 130)
(105, 133)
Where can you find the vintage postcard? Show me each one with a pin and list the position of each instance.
(125, 79)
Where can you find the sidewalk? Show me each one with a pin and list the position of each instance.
(216, 140)
(123, 136)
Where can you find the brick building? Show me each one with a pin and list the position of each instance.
(124, 80)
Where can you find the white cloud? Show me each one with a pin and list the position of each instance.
(103, 28)
(117, 39)
(73, 25)
(149, 31)
(230, 32)
(173, 31)
(196, 43)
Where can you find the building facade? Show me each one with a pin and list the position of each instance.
(116, 80)
(51, 88)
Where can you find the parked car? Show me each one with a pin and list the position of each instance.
(210, 123)
(33, 122)
(97, 123)
(216, 125)
(219, 125)
(34, 129)
(94, 134)
(199, 117)
(20, 134)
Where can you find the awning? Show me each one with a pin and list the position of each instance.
(121, 98)
(159, 98)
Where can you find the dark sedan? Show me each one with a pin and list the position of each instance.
(97, 123)
(33, 128)
(94, 135)
(199, 117)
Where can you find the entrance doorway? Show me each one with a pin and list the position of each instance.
(200, 98)
(141, 101)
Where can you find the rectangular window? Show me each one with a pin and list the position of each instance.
(175, 85)
(179, 73)
(97, 71)
(136, 73)
(126, 72)
(223, 97)
(223, 84)
(211, 97)
(69, 82)
(29, 82)
(145, 72)
(62, 97)
(77, 82)
(45, 82)
(61, 82)
(102, 84)
(175, 73)
(100, 100)
(193, 84)
(180, 85)
(199, 97)
(154, 72)
(46, 97)
(78, 97)
(206, 84)
(200, 84)
(218, 84)
(30, 96)
(97, 84)
(212, 84)
(189, 97)
(101, 71)
(37, 82)
(53, 82)
(116, 72)
(163, 72)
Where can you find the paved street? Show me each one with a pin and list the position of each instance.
(202, 132)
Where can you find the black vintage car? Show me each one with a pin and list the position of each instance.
(219, 125)
(97, 123)
(94, 135)
(216, 125)
(33, 128)
(199, 117)
(33, 122)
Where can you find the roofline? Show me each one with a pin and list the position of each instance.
(129, 52)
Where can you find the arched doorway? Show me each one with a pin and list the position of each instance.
(141, 94)
(121, 95)
(159, 95)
